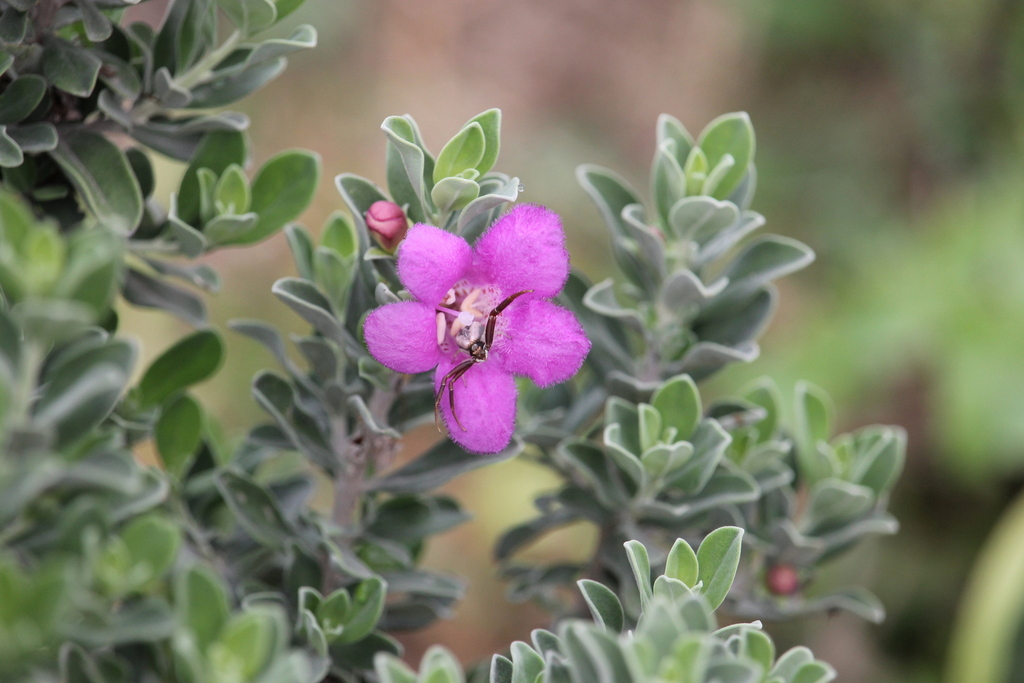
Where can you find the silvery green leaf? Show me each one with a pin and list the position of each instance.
(69, 67)
(21, 98)
(142, 290)
(222, 90)
(718, 558)
(650, 240)
(622, 456)
(493, 195)
(452, 194)
(740, 323)
(709, 444)
(34, 137)
(10, 154)
(743, 195)
(437, 466)
(522, 534)
(678, 401)
(669, 128)
(731, 134)
(668, 184)
(763, 260)
(706, 358)
(13, 25)
(304, 298)
(464, 151)
(727, 486)
(725, 240)
(601, 299)
(169, 93)
(640, 563)
(700, 219)
(604, 605)
(228, 229)
(359, 194)
(879, 467)
(406, 167)
(101, 174)
(717, 174)
(369, 420)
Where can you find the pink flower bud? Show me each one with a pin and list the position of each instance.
(387, 222)
(782, 579)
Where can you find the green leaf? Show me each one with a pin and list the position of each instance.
(527, 665)
(407, 166)
(758, 646)
(437, 466)
(765, 259)
(391, 669)
(604, 604)
(178, 434)
(490, 123)
(306, 300)
(97, 26)
(814, 412)
(729, 134)
(190, 361)
(452, 194)
(669, 128)
(765, 393)
(21, 98)
(649, 426)
(814, 672)
(682, 563)
(367, 607)
(142, 290)
(223, 90)
(153, 541)
(464, 151)
(79, 398)
(880, 467)
(332, 613)
(232, 194)
(678, 401)
(34, 137)
(340, 236)
(640, 563)
(202, 603)
(11, 155)
(218, 150)
(254, 509)
(718, 558)
(69, 67)
(102, 176)
(701, 219)
(282, 190)
(244, 647)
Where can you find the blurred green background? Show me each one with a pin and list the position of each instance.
(890, 137)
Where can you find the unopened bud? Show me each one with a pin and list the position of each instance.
(387, 222)
(782, 579)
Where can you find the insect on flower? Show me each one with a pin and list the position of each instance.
(480, 316)
(476, 343)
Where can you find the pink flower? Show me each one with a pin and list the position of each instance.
(517, 265)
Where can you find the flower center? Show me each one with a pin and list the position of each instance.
(462, 316)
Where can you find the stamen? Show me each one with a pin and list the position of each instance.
(449, 298)
(440, 328)
(470, 299)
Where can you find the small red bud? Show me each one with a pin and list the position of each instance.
(387, 222)
(782, 579)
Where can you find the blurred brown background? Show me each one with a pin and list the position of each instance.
(889, 139)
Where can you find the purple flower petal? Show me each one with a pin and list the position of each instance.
(485, 402)
(431, 260)
(403, 336)
(543, 341)
(524, 249)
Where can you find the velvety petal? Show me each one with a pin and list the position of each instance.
(431, 260)
(485, 402)
(524, 249)
(403, 336)
(543, 341)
